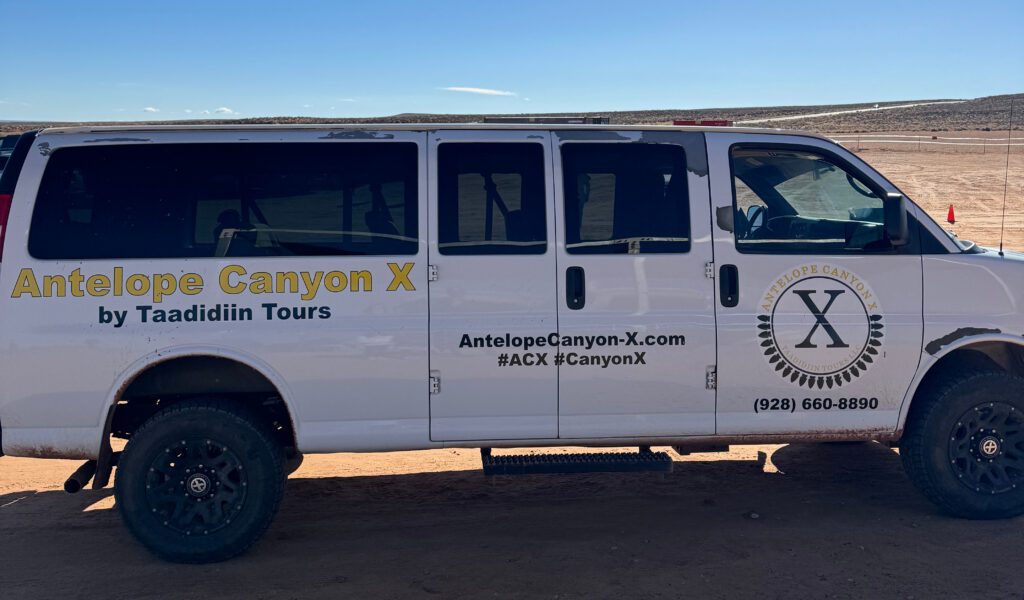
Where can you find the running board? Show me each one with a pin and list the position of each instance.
(604, 462)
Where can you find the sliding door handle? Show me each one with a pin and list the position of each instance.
(729, 286)
(575, 288)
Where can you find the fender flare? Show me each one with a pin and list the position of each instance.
(957, 342)
(132, 371)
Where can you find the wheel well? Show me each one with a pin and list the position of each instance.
(982, 356)
(174, 380)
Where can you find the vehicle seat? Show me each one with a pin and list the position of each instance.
(227, 219)
(240, 244)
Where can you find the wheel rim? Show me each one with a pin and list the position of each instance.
(196, 487)
(986, 448)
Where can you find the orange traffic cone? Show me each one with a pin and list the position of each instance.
(951, 217)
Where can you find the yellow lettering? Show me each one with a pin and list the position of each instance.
(26, 284)
(97, 285)
(400, 277)
(361, 281)
(164, 284)
(261, 282)
(191, 284)
(118, 281)
(225, 279)
(290, 278)
(335, 281)
(75, 281)
(138, 285)
(312, 284)
(54, 285)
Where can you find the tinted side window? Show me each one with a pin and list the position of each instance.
(800, 201)
(491, 198)
(625, 199)
(194, 200)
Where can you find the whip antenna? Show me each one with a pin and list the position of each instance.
(1006, 178)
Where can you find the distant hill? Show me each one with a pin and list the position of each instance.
(988, 113)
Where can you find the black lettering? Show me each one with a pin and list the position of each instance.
(820, 320)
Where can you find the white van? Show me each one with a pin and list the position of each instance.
(229, 298)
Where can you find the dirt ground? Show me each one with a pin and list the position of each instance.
(811, 521)
(969, 180)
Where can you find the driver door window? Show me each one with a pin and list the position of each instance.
(800, 201)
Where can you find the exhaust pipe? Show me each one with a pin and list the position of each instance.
(80, 478)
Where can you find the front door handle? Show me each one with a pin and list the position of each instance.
(729, 285)
(575, 288)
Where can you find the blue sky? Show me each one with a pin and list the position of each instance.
(136, 60)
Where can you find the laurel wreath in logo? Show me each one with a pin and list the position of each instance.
(812, 380)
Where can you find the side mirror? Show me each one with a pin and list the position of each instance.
(895, 219)
(724, 218)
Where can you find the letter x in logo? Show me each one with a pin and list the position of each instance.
(820, 320)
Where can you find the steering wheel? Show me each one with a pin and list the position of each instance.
(782, 224)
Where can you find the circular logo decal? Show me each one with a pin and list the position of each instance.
(820, 326)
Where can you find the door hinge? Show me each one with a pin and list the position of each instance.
(431, 272)
(435, 384)
(709, 269)
(711, 378)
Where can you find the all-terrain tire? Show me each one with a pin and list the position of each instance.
(963, 446)
(200, 481)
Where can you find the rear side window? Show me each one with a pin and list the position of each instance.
(625, 199)
(491, 198)
(195, 200)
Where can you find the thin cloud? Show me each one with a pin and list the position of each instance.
(151, 109)
(188, 110)
(224, 111)
(476, 90)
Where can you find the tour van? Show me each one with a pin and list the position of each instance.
(200, 306)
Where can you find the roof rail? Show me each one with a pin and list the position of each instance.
(554, 120)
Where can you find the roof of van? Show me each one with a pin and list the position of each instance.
(421, 127)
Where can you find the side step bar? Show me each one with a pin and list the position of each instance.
(604, 462)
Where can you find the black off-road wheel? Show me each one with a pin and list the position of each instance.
(200, 482)
(964, 445)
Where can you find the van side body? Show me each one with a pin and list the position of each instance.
(400, 287)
